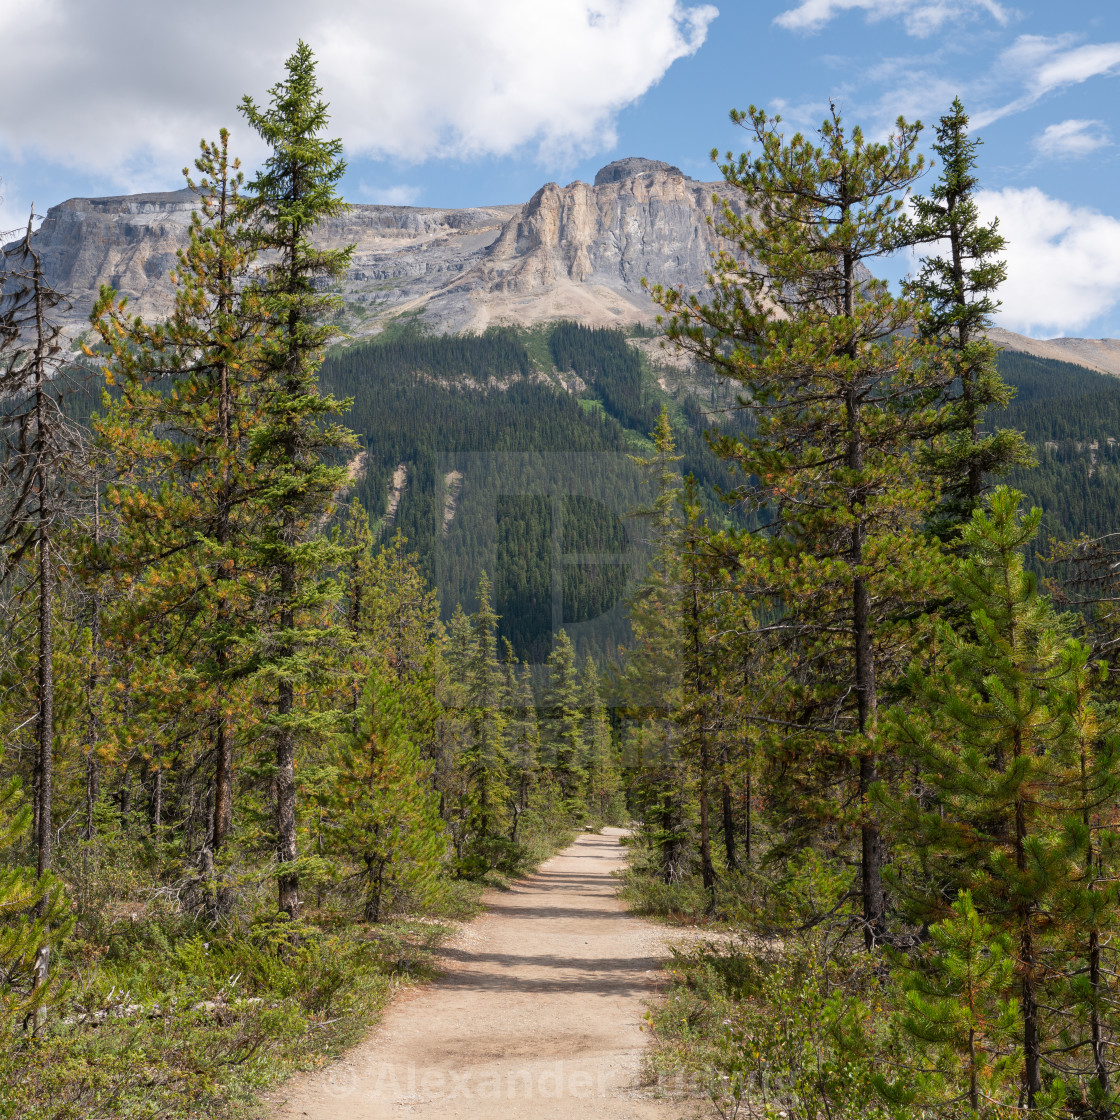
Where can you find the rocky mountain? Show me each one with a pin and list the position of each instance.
(578, 251)
(574, 252)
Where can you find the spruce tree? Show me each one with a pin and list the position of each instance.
(296, 189)
(651, 673)
(957, 291)
(523, 735)
(484, 754)
(604, 792)
(563, 731)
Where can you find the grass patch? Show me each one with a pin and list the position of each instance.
(171, 1019)
(161, 1014)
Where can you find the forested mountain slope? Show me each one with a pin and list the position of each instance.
(510, 452)
(1071, 417)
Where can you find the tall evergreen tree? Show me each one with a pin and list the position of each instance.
(997, 743)
(185, 495)
(651, 674)
(37, 445)
(604, 791)
(958, 293)
(840, 397)
(484, 754)
(563, 732)
(295, 190)
(523, 734)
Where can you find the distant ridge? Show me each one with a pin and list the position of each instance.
(1100, 354)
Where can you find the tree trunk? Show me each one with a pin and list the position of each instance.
(1032, 1043)
(707, 871)
(729, 828)
(157, 800)
(46, 697)
(93, 722)
(747, 839)
(45, 681)
(287, 852)
(223, 780)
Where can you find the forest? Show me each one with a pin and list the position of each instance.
(307, 644)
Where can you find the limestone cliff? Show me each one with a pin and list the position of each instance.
(578, 251)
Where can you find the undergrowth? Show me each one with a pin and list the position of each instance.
(163, 1013)
(756, 1019)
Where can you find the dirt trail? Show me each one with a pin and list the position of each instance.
(538, 1014)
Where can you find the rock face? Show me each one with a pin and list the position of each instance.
(575, 252)
(633, 165)
(578, 251)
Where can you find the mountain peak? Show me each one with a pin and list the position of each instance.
(633, 165)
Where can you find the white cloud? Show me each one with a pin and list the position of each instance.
(1071, 139)
(920, 17)
(1063, 261)
(400, 195)
(126, 88)
(1049, 63)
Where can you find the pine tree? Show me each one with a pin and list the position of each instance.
(25, 982)
(40, 455)
(699, 704)
(996, 741)
(186, 500)
(958, 1008)
(523, 734)
(651, 674)
(840, 398)
(295, 190)
(484, 754)
(386, 820)
(958, 294)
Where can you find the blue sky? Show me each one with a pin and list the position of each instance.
(468, 102)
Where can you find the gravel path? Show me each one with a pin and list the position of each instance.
(538, 1015)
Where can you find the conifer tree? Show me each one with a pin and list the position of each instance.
(185, 497)
(699, 709)
(1008, 782)
(38, 450)
(840, 397)
(958, 1007)
(484, 754)
(563, 738)
(29, 906)
(523, 734)
(296, 188)
(651, 675)
(386, 820)
(958, 294)
(604, 793)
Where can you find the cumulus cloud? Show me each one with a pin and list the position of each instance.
(1063, 261)
(1072, 138)
(1049, 63)
(919, 17)
(126, 89)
